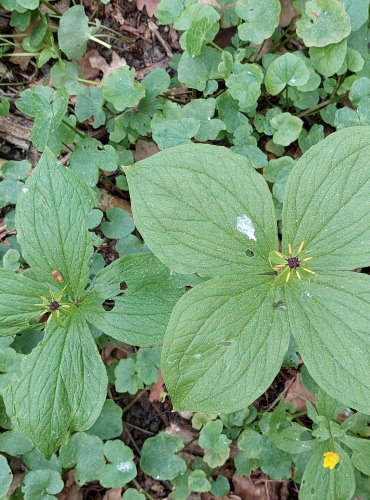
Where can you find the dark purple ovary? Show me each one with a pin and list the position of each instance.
(293, 262)
(54, 305)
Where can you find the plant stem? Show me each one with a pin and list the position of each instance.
(51, 7)
(138, 487)
(216, 46)
(78, 132)
(91, 82)
(21, 54)
(133, 401)
(97, 40)
(322, 104)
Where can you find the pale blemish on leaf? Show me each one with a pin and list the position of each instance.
(124, 466)
(245, 226)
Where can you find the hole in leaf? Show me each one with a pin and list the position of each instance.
(108, 305)
(249, 253)
(123, 285)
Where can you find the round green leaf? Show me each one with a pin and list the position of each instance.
(6, 476)
(119, 224)
(257, 26)
(42, 484)
(195, 71)
(324, 22)
(132, 494)
(159, 459)
(287, 69)
(358, 11)
(328, 60)
(73, 32)
(359, 89)
(109, 423)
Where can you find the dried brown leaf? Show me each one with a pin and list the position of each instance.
(150, 6)
(90, 72)
(157, 389)
(107, 200)
(113, 494)
(288, 13)
(144, 149)
(297, 393)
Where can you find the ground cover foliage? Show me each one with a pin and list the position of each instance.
(184, 290)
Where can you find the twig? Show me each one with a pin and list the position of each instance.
(154, 28)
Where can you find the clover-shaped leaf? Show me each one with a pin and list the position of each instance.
(90, 156)
(83, 453)
(257, 26)
(325, 233)
(147, 364)
(324, 22)
(288, 127)
(203, 111)
(89, 103)
(245, 83)
(121, 468)
(159, 459)
(287, 69)
(127, 379)
(121, 89)
(215, 444)
(198, 481)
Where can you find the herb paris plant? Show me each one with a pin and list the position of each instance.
(63, 383)
(202, 209)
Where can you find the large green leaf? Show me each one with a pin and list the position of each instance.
(224, 343)
(51, 222)
(324, 22)
(329, 319)
(18, 296)
(62, 387)
(202, 208)
(325, 484)
(327, 204)
(141, 313)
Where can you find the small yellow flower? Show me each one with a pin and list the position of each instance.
(331, 459)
